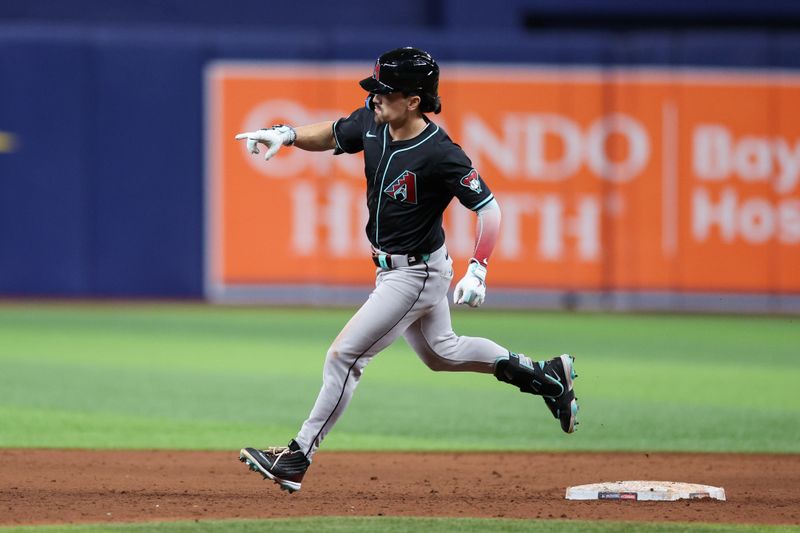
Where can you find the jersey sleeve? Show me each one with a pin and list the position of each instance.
(348, 132)
(463, 180)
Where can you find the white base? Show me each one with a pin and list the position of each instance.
(644, 491)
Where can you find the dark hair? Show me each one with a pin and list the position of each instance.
(428, 103)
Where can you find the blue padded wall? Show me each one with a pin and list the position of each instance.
(45, 236)
(102, 194)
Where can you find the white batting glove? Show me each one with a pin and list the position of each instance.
(471, 290)
(273, 138)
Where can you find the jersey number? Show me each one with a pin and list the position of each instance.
(403, 188)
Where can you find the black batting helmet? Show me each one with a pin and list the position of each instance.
(408, 70)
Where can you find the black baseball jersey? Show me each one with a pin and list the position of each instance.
(409, 183)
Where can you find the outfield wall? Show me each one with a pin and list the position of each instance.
(106, 143)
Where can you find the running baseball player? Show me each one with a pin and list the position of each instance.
(413, 170)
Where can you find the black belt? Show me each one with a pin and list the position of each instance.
(392, 261)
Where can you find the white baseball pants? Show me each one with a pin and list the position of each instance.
(410, 301)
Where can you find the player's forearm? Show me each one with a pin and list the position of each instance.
(471, 290)
(486, 232)
(315, 137)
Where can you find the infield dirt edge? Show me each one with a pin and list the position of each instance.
(51, 486)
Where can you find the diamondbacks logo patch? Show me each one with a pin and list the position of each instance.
(472, 181)
(403, 188)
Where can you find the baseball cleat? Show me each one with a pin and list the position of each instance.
(284, 465)
(561, 370)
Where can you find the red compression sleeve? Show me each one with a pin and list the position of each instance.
(486, 233)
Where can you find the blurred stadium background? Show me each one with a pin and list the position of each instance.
(647, 155)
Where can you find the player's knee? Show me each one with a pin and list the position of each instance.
(433, 354)
(339, 353)
(333, 353)
(437, 364)
(335, 356)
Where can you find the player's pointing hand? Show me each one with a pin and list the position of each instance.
(273, 138)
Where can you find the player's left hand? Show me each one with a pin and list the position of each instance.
(471, 290)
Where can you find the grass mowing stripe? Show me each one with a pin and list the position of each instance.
(404, 525)
(202, 377)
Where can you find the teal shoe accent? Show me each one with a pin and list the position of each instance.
(555, 382)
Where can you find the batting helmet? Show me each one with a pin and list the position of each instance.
(410, 71)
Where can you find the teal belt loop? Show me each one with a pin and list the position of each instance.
(382, 261)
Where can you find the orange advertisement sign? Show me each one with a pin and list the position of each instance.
(655, 180)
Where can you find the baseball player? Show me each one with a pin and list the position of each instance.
(413, 170)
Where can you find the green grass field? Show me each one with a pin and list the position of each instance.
(204, 377)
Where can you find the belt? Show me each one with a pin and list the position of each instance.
(391, 261)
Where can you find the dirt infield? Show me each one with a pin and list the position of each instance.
(64, 486)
